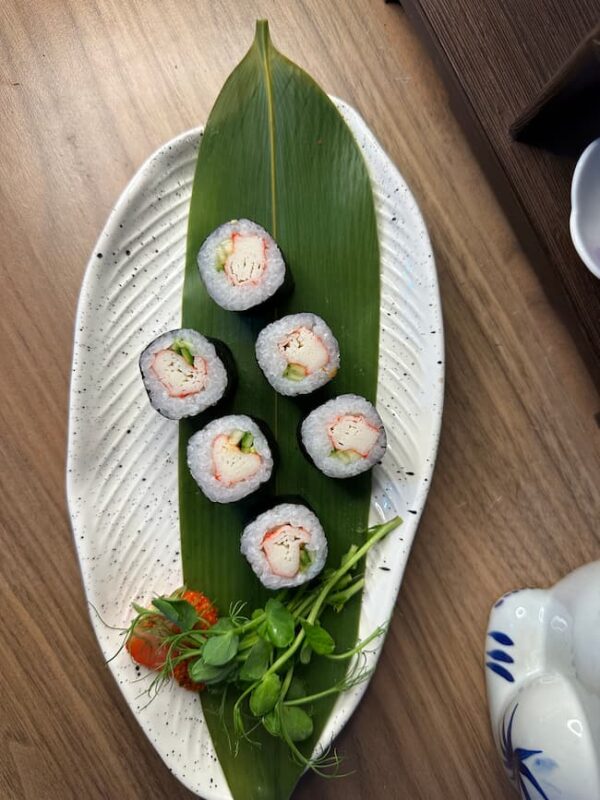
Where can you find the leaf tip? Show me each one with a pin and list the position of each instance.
(261, 36)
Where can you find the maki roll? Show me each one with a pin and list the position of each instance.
(182, 373)
(285, 546)
(298, 353)
(240, 265)
(229, 458)
(344, 436)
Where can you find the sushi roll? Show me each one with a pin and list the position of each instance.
(240, 265)
(344, 436)
(229, 458)
(298, 353)
(285, 546)
(182, 373)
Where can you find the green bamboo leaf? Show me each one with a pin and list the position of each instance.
(276, 150)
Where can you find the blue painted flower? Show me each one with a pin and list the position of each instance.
(514, 761)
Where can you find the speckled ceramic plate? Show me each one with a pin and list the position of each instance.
(122, 459)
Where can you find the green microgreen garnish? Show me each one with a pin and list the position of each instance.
(257, 656)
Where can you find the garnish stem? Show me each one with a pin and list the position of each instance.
(251, 624)
(308, 601)
(247, 643)
(300, 701)
(276, 666)
(381, 531)
(286, 682)
(346, 594)
(359, 647)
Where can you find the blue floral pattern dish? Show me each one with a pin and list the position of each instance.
(542, 660)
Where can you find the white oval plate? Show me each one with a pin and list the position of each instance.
(122, 456)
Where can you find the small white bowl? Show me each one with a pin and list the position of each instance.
(585, 207)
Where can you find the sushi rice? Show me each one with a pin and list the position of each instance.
(285, 546)
(182, 373)
(298, 353)
(344, 436)
(240, 265)
(229, 458)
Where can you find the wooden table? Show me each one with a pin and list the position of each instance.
(88, 91)
(497, 59)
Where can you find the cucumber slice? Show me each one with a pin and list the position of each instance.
(306, 559)
(247, 443)
(224, 250)
(183, 349)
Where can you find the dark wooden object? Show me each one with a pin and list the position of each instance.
(525, 66)
(566, 113)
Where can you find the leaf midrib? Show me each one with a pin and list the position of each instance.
(262, 33)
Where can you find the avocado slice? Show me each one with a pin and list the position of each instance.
(345, 456)
(294, 372)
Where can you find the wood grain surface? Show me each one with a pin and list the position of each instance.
(87, 91)
(496, 59)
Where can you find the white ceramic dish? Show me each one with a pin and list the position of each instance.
(585, 207)
(122, 464)
(543, 681)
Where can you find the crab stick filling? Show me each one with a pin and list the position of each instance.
(177, 375)
(234, 457)
(284, 547)
(353, 433)
(304, 352)
(243, 259)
